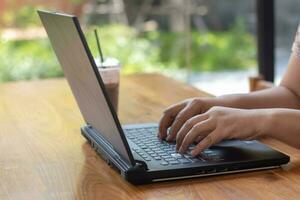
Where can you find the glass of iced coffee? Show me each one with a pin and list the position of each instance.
(110, 73)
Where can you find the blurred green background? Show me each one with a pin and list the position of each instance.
(157, 50)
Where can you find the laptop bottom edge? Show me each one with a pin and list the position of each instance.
(215, 173)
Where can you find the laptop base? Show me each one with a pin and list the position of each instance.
(141, 174)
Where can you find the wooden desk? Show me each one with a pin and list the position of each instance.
(43, 155)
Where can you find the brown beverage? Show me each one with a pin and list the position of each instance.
(113, 93)
(110, 74)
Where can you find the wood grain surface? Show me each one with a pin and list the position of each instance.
(43, 155)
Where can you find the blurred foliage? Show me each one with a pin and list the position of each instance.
(76, 1)
(27, 59)
(150, 52)
(209, 51)
(25, 17)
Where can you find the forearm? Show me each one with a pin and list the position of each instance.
(282, 124)
(277, 97)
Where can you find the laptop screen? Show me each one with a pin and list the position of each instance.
(84, 79)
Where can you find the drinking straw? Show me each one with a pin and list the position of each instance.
(98, 45)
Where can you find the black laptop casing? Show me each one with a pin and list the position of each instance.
(242, 156)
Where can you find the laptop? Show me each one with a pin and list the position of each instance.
(134, 150)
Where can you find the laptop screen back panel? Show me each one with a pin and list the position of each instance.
(84, 79)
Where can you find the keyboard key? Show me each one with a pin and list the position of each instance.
(184, 160)
(164, 163)
(167, 156)
(187, 156)
(138, 150)
(207, 151)
(157, 158)
(175, 162)
(176, 155)
(163, 154)
(170, 159)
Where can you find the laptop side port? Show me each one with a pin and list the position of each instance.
(211, 171)
(222, 170)
(201, 172)
(106, 159)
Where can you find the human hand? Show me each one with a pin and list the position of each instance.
(176, 115)
(217, 124)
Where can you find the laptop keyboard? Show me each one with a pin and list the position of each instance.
(150, 147)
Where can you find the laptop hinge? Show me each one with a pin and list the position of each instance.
(106, 151)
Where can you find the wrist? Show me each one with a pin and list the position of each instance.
(224, 100)
(208, 102)
(263, 120)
